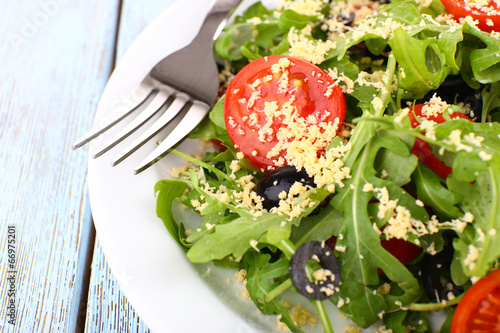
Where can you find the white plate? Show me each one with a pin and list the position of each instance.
(169, 293)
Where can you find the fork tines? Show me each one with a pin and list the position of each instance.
(184, 82)
(153, 101)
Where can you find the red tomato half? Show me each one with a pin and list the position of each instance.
(421, 148)
(479, 309)
(401, 249)
(488, 16)
(276, 100)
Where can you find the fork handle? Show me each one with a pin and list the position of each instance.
(215, 21)
(199, 52)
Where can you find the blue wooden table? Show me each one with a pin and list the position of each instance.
(55, 59)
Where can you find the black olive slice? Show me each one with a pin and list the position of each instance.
(455, 90)
(436, 276)
(280, 180)
(320, 289)
(346, 19)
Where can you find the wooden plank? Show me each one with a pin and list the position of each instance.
(108, 309)
(55, 59)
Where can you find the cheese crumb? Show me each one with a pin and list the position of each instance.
(485, 156)
(340, 248)
(434, 107)
(472, 256)
(302, 47)
(351, 329)
(382, 329)
(384, 289)
(431, 249)
(254, 243)
(281, 325)
(368, 187)
(303, 317)
(241, 276)
(377, 103)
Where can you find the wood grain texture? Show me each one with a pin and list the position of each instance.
(108, 309)
(55, 58)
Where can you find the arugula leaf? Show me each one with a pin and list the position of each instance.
(262, 278)
(478, 246)
(291, 19)
(245, 51)
(218, 217)
(400, 321)
(491, 100)
(484, 61)
(318, 227)
(364, 253)
(236, 236)
(167, 191)
(433, 193)
(255, 10)
(227, 46)
(255, 32)
(446, 327)
(448, 42)
(405, 12)
(395, 164)
(233, 238)
(213, 127)
(419, 74)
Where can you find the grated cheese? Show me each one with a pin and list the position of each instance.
(485, 156)
(303, 47)
(351, 329)
(241, 275)
(304, 7)
(382, 329)
(254, 243)
(434, 107)
(303, 317)
(471, 257)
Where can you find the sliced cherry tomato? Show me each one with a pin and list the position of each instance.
(218, 144)
(488, 16)
(277, 100)
(421, 148)
(401, 249)
(479, 309)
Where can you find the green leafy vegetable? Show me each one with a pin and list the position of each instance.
(400, 55)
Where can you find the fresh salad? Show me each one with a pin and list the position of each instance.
(358, 163)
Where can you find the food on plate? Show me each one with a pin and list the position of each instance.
(479, 310)
(360, 164)
(423, 113)
(485, 13)
(277, 104)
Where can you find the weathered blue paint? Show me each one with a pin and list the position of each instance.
(108, 309)
(55, 59)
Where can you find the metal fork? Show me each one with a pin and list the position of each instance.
(184, 81)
